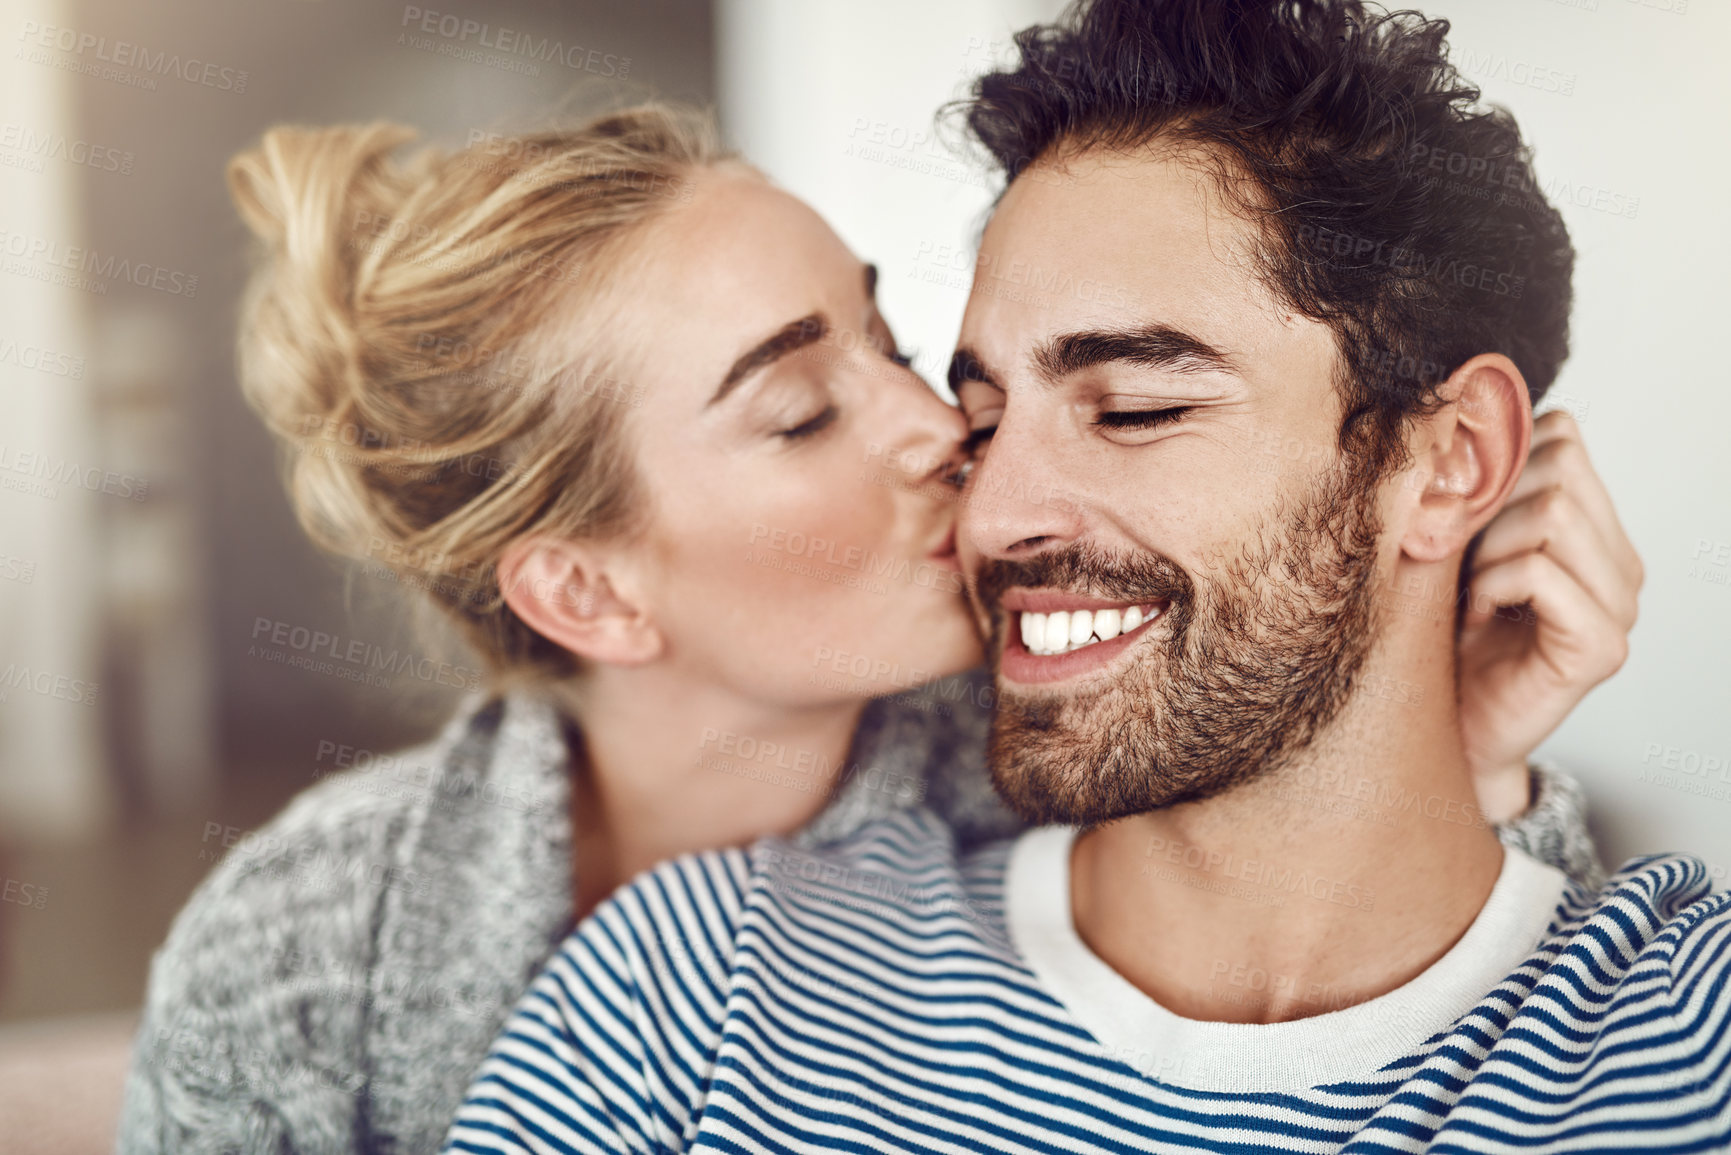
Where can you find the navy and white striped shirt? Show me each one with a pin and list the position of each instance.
(886, 994)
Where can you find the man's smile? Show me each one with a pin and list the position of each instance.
(1055, 634)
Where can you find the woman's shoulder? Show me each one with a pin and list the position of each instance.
(317, 870)
(361, 809)
(313, 872)
(262, 1000)
(240, 992)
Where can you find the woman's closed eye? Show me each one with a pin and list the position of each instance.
(810, 425)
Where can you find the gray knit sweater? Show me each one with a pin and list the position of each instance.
(336, 980)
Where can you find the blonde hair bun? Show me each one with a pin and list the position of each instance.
(395, 338)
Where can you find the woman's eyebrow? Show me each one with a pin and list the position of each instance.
(793, 336)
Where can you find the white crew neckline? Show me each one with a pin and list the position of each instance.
(1291, 1056)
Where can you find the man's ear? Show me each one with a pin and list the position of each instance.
(571, 593)
(1467, 456)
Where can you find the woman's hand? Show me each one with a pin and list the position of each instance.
(1552, 599)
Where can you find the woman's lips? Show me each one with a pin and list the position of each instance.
(945, 553)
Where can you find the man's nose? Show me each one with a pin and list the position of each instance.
(1016, 502)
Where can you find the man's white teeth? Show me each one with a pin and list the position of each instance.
(1056, 635)
(1065, 630)
(1081, 626)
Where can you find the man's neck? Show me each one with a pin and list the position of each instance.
(1333, 880)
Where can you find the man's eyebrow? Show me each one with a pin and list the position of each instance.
(794, 335)
(965, 365)
(1159, 346)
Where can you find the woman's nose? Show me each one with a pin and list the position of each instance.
(932, 445)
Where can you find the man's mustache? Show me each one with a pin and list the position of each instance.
(1141, 577)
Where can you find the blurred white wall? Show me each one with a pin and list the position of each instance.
(835, 100)
(1626, 101)
(53, 781)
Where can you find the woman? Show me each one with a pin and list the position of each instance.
(632, 419)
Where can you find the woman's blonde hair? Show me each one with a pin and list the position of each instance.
(425, 335)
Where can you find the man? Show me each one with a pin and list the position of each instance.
(1262, 912)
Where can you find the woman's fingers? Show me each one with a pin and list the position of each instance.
(1558, 423)
(1552, 522)
(1577, 638)
(1558, 460)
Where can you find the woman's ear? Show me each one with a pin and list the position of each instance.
(570, 593)
(1467, 456)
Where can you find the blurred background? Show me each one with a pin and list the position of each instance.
(144, 535)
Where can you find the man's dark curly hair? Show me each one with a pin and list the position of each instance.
(1394, 208)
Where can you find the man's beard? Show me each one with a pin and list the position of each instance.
(1253, 666)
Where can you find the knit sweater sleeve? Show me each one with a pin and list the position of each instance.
(252, 1037)
(1554, 828)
